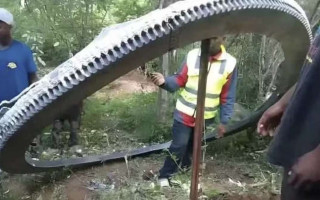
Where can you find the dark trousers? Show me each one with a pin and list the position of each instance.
(73, 116)
(180, 150)
(289, 193)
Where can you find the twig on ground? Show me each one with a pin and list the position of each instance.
(127, 164)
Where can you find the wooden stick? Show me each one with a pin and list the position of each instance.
(199, 123)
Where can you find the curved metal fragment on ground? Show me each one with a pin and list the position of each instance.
(121, 48)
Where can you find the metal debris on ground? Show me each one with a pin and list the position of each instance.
(97, 185)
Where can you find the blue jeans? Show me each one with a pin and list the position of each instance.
(180, 149)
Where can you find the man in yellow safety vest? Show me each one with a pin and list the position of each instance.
(220, 95)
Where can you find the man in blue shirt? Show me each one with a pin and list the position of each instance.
(17, 66)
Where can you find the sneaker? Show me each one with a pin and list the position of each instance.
(163, 182)
(73, 140)
(149, 175)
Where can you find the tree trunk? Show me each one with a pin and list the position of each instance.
(314, 17)
(314, 12)
(262, 66)
(166, 62)
(22, 4)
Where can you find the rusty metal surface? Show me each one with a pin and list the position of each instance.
(199, 123)
(121, 48)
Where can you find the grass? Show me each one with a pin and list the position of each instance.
(127, 122)
(116, 124)
(135, 114)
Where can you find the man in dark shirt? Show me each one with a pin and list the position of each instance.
(296, 146)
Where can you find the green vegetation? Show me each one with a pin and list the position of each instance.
(56, 30)
(134, 114)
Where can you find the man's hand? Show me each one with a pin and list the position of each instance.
(157, 79)
(221, 130)
(270, 120)
(306, 171)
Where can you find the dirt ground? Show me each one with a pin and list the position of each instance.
(133, 82)
(222, 178)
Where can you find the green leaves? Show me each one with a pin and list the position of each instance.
(39, 59)
(55, 29)
(56, 44)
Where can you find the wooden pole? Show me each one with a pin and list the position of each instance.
(199, 123)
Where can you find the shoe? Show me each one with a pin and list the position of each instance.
(149, 175)
(163, 182)
(73, 140)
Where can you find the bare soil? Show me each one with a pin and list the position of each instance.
(216, 178)
(227, 179)
(133, 82)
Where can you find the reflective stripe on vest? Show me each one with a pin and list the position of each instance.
(195, 92)
(218, 73)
